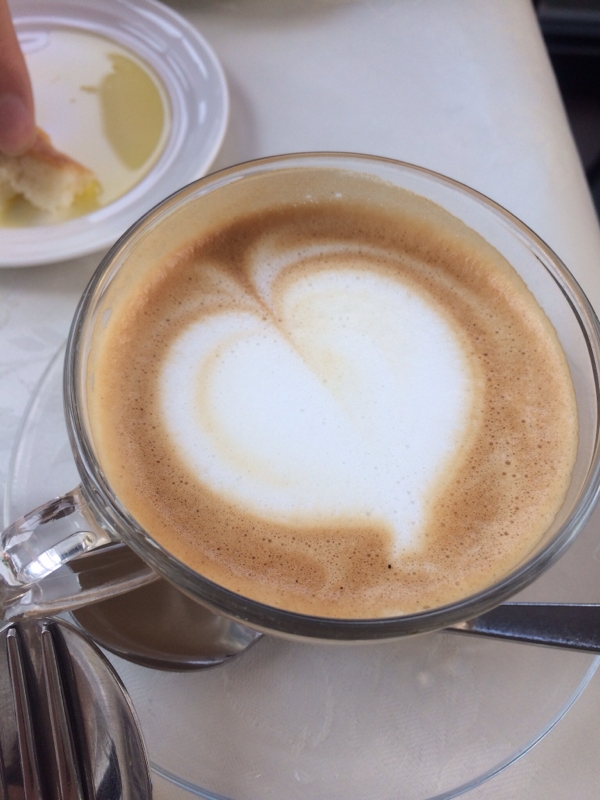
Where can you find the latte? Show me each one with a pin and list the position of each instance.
(337, 399)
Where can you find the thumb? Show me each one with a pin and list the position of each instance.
(17, 125)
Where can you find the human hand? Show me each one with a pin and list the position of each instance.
(17, 124)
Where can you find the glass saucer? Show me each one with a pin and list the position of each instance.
(423, 718)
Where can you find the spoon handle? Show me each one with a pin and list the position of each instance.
(570, 625)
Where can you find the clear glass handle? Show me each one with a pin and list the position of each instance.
(35, 550)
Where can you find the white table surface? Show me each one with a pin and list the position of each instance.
(462, 87)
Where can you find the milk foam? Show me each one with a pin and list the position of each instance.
(340, 399)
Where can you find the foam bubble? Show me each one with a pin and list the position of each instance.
(341, 400)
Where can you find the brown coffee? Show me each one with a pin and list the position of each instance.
(337, 400)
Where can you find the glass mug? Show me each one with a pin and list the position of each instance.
(33, 577)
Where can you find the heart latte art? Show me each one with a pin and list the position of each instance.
(337, 408)
(320, 404)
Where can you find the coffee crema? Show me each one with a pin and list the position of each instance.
(340, 403)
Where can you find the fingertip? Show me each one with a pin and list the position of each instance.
(17, 126)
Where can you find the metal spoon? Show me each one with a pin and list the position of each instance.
(575, 626)
(158, 626)
(68, 730)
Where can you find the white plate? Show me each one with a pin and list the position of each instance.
(187, 76)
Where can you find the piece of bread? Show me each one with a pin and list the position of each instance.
(47, 178)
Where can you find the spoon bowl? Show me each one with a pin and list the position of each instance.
(68, 729)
